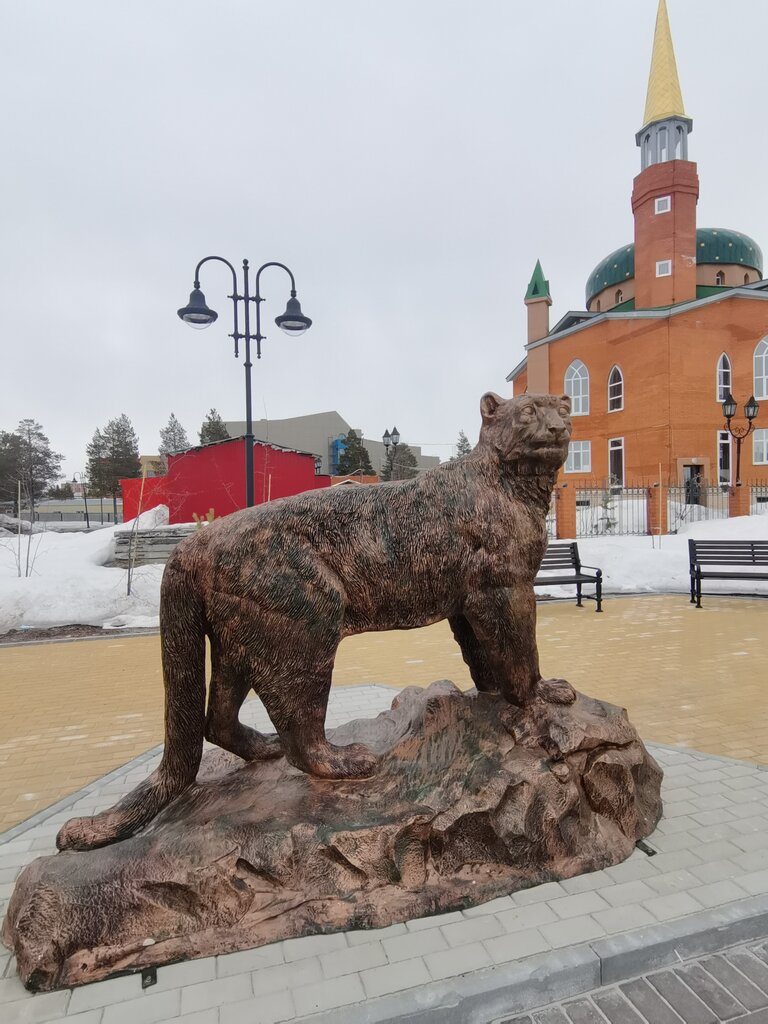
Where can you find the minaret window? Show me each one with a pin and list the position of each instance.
(720, 278)
(761, 370)
(577, 387)
(663, 204)
(664, 268)
(679, 138)
(647, 154)
(663, 145)
(615, 390)
(723, 377)
(619, 297)
(746, 279)
(597, 305)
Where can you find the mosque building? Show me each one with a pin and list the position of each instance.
(674, 322)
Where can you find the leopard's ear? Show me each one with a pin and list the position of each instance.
(489, 403)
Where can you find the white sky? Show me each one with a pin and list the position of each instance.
(409, 160)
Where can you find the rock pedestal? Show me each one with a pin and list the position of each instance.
(474, 799)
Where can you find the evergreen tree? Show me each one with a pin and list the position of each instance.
(37, 463)
(213, 428)
(113, 454)
(463, 446)
(354, 458)
(173, 438)
(61, 491)
(10, 460)
(401, 463)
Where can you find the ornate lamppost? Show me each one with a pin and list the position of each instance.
(751, 410)
(81, 481)
(391, 439)
(197, 314)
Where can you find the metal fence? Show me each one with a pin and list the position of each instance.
(611, 510)
(686, 504)
(758, 505)
(552, 518)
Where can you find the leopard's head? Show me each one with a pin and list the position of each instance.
(532, 431)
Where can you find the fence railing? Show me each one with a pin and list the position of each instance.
(608, 509)
(758, 505)
(552, 519)
(695, 504)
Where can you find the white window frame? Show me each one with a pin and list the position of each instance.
(760, 447)
(760, 389)
(620, 406)
(584, 449)
(576, 386)
(663, 204)
(724, 443)
(616, 444)
(723, 377)
(663, 268)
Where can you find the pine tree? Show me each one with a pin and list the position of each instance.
(401, 463)
(463, 446)
(10, 459)
(38, 464)
(173, 437)
(62, 491)
(354, 458)
(213, 428)
(113, 454)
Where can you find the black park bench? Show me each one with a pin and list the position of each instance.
(728, 560)
(563, 561)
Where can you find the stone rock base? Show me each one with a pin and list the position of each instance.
(474, 799)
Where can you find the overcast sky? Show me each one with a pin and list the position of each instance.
(409, 160)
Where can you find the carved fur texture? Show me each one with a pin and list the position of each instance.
(277, 587)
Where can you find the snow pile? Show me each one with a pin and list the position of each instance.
(70, 582)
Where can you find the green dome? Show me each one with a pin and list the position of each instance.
(713, 245)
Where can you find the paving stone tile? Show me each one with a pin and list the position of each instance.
(150, 1008)
(404, 947)
(466, 932)
(616, 1008)
(648, 1002)
(190, 973)
(249, 960)
(210, 1016)
(681, 998)
(395, 977)
(583, 1011)
(634, 867)
(673, 881)
(328, 995)
(672, 905)
(668, 844)
(572, 931)
(588, 882)
(551, 1016)
(365, 935)
(519, 1020)
(717, 893)
(265, 1010)
(755, 882)
(678, 860)
(434, 921)
(94, 1017)
(751, 966)
(35, 1009)
(350, 961)
(461, 960)
(741, 988)
(286, 976)
(624, 893)
(710, 991)
(312, 945)
(623, 919)
(527, 917)
(216, 993)
(538, 894)
(578, 904)
(517, 945)
(103, 993)
(492, 907)
(716, 871)
(755, 860)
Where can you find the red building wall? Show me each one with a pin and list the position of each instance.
(214, 477)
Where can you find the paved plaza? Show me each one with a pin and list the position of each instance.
(694, 678)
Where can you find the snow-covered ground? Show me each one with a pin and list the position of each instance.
(70, 582)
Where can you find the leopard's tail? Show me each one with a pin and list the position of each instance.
(182, 630)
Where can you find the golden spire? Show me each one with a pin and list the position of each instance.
(664, 98)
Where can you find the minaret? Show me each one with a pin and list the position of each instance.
(667, 189)
(538, 300)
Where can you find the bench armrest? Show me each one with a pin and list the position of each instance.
(599, 572)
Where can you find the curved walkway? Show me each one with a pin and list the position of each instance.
(74, 711)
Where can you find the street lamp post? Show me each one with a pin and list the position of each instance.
(751, 410)
(81, 481)
(391, 439)
(197, 314)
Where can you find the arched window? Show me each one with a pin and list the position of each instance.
(597, 305)
(723, 377)
(678, 143)
(663, 154)
(761, 370)
(746, 279)
(720, 278)
(619, 297)
(615, 390)
(577, 386)
(647, 156)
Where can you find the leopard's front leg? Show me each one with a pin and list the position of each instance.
(503, 620)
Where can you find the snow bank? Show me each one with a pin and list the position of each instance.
(70, 582)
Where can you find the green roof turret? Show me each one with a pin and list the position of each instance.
(538, 287)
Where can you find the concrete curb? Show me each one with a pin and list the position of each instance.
(515, 988)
